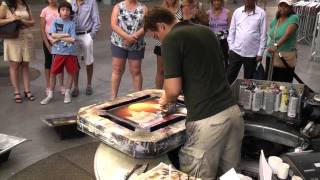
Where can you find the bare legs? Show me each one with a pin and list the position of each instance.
(14, 69)
(118, 67)
(25, 76)
(89, 81)
(67, 97)
(135, 70)
(47, 78)
(89, 74)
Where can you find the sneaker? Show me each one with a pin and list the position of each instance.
(75, 92)
(46, 100)
(89, 91)
(67, 97)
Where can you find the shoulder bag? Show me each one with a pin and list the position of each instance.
(10, 30)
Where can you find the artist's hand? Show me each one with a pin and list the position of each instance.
(259, 58)
(163, 101)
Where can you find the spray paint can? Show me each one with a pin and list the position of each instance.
(268, 101)
(257, 99)
(277, 101)
(284, 99)
(242, 88)
(293, 105)
(247, 99)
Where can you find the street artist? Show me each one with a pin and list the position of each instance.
(193, 63)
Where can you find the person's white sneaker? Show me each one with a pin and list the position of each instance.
(48, 98)
(67, 96)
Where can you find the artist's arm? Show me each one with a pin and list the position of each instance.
(172, 88)
(173, 66)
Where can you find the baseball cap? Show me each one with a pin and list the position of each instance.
(289, 2)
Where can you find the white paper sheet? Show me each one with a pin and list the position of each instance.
(231, 174)
(265, 172)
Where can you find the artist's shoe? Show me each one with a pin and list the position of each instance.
(67, 97)
(89, 91)
(75, 92)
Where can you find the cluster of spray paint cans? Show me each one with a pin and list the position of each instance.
(269, 98)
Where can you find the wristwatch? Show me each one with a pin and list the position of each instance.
(276, 45)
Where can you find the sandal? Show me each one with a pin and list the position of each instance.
(29, 96)
(17, 98)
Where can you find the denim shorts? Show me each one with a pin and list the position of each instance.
(119, 52)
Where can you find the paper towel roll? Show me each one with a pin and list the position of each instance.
(274, 162)
(296, 178)
(283, 170)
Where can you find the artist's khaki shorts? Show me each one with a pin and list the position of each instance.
(213, 144)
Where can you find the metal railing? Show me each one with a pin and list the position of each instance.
(315, 47)
(307, 12)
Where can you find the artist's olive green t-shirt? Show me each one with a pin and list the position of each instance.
(290, 43)
(192, 52)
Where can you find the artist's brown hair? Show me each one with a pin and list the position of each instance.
(157, 15)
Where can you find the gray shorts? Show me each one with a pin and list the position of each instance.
(119, 52)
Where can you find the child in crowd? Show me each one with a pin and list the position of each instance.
(47, 16)
(64, 50)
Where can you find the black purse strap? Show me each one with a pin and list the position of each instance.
(284, 61)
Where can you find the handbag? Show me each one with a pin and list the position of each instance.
(259, 72)
(289, 56)
(10, 30)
